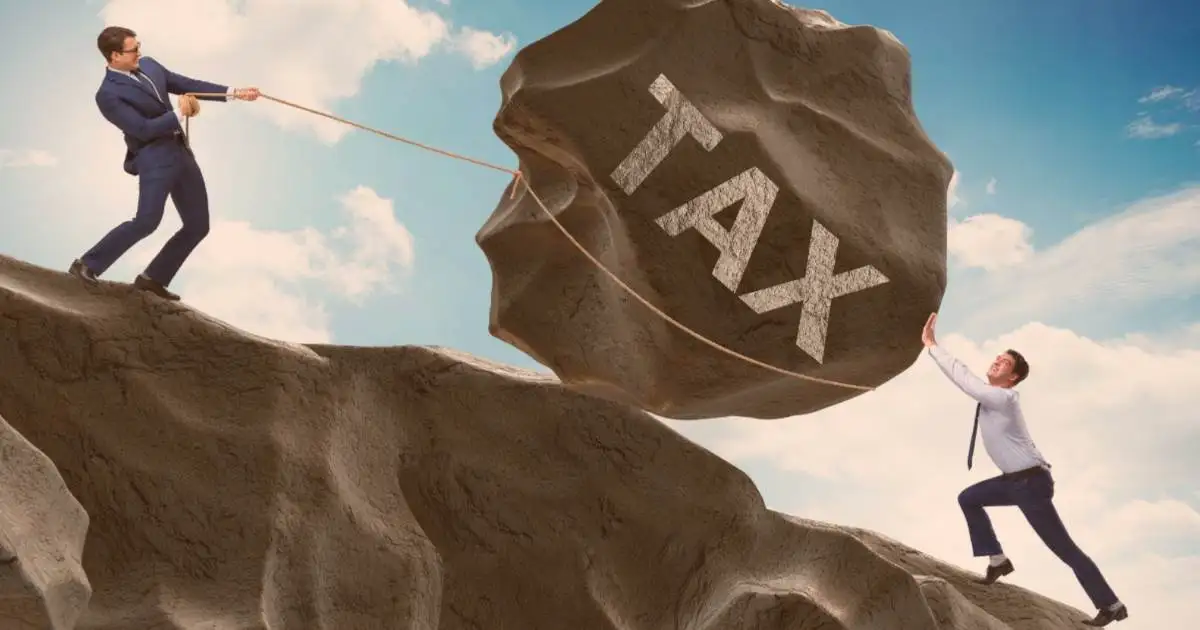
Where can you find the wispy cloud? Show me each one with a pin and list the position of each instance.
(989, 241)
(991, 186)
(1184, 101)
(953, 199)
(26, 158)
(1162, 93)
(1145, 128)
(1189, 99)
(1146, 252)
(482, 48)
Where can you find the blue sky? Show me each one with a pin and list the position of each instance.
(1073, 231)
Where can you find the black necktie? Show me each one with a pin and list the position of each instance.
(974, 433)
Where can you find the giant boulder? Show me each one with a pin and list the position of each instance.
(235, 482)
(754, 171)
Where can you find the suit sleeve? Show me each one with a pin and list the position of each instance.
(132, 122)
(179, 84)
(971, 385)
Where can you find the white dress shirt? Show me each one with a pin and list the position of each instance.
(1001, 424)
(178, 114)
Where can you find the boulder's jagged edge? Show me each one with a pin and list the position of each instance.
(822, 108)
(42, 529)
(237, 482)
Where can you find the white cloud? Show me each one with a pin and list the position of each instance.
(273, 283)
(1116, 420)
(1145, 128)
(1188, 336)
(1161, 93)
(952, 198)
(313, 53)
(11, 158)
(1189, 98)
(989, 241)
(991, 186)
(1146, 252)
(482, 48)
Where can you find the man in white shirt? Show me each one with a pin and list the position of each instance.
(1025, 480)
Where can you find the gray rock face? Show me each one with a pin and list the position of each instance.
(42, 530)
(237, 483)
(755, 171)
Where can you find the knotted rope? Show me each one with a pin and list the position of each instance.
(518, 179)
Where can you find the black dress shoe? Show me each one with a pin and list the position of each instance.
(996, 572)
(1106, 616)
(144, 283)
(81, 271)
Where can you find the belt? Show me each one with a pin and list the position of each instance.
(1028, 472)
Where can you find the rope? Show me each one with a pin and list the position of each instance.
(517, 178)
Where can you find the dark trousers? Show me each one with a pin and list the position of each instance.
(1032, 492)
(184, 184)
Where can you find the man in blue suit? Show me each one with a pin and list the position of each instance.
(133, 97)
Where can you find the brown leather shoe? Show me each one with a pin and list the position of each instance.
(144, 283)
(81, 271)
(996, 572)
(1107, 616)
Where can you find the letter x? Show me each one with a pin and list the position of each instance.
(817, 290)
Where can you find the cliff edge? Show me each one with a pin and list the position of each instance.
(233, 482)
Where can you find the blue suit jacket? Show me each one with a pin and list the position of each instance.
(152, 131)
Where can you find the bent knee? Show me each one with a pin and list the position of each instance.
(145, 227)
(196, 229)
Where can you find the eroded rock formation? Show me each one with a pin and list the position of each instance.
(42, 529)
(755, 171)
(234, 482)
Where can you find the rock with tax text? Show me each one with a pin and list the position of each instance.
(755, 171)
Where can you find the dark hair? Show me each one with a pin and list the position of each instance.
(112, 40)
(1020, 365)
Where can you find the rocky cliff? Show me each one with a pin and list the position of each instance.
(230, 482)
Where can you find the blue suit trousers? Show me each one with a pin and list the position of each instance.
(1033, 494)
(183, 182)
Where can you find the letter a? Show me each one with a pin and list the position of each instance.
(756, 192)
(682, 119)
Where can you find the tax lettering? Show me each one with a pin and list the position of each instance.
(755, 192)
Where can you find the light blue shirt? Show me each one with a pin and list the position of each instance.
(1001, 423)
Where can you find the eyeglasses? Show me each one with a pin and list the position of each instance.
(137, 50)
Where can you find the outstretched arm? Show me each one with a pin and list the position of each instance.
(971, 385)
(132, 122)
(179, 84)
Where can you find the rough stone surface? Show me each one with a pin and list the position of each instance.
(653, 129)
(237, 483)
(42, 529)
